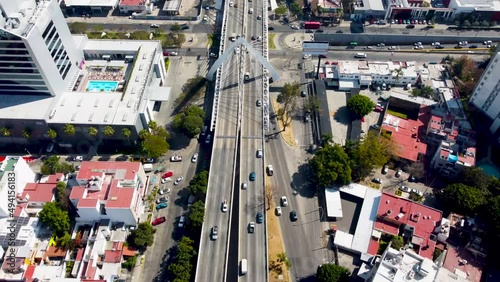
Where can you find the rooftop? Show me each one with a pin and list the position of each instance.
(479, 5)
(395, 211)
(92, 3)
(367, 67)
(460, 262)
(41, 192)
(132, 2)
(172, 6)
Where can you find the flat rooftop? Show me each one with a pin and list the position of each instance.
(172, 6)
(92, 3)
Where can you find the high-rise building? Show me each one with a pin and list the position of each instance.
(38, 55)
(486, 94)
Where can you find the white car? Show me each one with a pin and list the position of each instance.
(244, 186)
(174, 53)
(194, 158)
(398, 173)
(284, 201)
(259, 153)
(295, 27)
(164, 191)
(405, 189)
(205, 18)
(278, 211)
(231, 4)
(182, 219)
(259, 17)
(178, 180)
(415, 191)
(165, 180)
(78, 158)
(224, 206)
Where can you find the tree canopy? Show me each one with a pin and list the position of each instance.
(296, 10)
(360, 105)
(142, 237)
(182, 266)
(462, 198)
(287, 97)
(154, 141)
(198, 185)
(280, 11)
(55, 218)
(332, 273)
(53, 165)
(62, 196)
(330, 165)
(197, 214)
(190, 121)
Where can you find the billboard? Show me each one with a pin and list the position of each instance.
(314, 48)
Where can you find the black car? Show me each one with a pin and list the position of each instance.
(458, 47)
(185, 27)
(320, 30)
(440, 47)
(309, 31)
(270, 28)
(339, 31)
(410, 26)
(473, 46)
(293, 216)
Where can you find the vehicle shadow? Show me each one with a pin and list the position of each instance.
(301, 183)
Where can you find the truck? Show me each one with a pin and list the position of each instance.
(148, 167)
(232, 37)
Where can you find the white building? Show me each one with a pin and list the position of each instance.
(109, 190)
(355, 74)
(23, 175)
(486, 94)
(50, 78)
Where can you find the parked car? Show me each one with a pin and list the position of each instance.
(270, 28)
(165, 180)
(164, 191)
(178, 180)
(161, 206)
(278, 211)
(224, 206)
(385, 169)
(176, 158)
(377, 180)
(162, 200)
(78, 158)
(260, 217)
(405, 189)
(415, 191)
(167, 174)
(158, 221)
(293, 216)
(284, 201)
(194, 158)
(398, 173)
(251, 227)
(182, 219)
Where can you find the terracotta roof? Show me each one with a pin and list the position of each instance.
(455, 261)
(113, 256)
(54, 251)
(89, 169)
(39, 192)
(129, 251)
(132, 2)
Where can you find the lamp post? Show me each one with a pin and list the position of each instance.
(27, 151)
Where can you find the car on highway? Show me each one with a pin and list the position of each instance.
(293, 216)
(251, 227)
(178, 180)
(435, 44)
(224, 206)
(259, 17)
(167, 174)
(270, 28)
(252, 176)
(174, 54)
(377, 180)
(473, 46)
(284, 201)
(259, 153)
(339, 31)
(164, 191)
(385, 169)
(440, 47)
(176, 158)
(194, 158)
(207, 140)
(278, 211)
(258, 103)
(398, 173)
(417, 43)
(244, 185)
(487, 42)
(158, 221)
(419, 47)
(161, 206)
(165, 180)
(162, 200)
(405, 189)
(184, 27)
(260, 217)
(410, 26)
(182, 219)
(215, 232)
(154, 26)
(270, 170)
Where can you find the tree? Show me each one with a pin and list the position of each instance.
(108, 131)
(287, 97)
(330, 165)
(270, 194)
(426, 91)
(197, 214)
(175, 27)
(78, 27)
(126, 133)
(312, 104)
(296, 9)
(182, 266)
(415, 169)
(93, 131)
(52, 165)
(27, 133)
(475, 177)
(69, 129)
(62, 196)
(55, 218)
(154, 141)
(142, 237)
(332, 273)
(190, 120)
(6, 131)
(462, 198)
(492, 212)
(282, 258)
(52, 133)
(280, 11)
(65, 242)
(397, 242)
(326, 139)
(198, 185)
(374, 151)
(360, 105)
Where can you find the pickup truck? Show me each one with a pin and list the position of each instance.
(176, 158)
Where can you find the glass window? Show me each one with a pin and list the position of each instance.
(51, 24)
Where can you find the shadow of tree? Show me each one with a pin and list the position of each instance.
(178, 140)
(342, 115)
(167, 259)
(301, 181)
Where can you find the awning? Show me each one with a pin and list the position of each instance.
(159, 94)
(376, 234)
(106, 56)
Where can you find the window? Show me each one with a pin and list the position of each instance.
(51, 24)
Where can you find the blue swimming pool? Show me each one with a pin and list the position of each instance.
(101, 86)
(489, 169)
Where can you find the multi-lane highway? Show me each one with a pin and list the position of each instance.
(252, 245)
(212, 255)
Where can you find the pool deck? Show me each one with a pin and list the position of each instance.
(102, 70)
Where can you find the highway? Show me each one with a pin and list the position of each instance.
(252, 245)
(212, 255)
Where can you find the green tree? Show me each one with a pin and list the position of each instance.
(330, 165)
(426, 91)
(52, 133)
(197, 214)
(130, 263)
(93, 131)
(475, 177)
(6, 131)
(280, 11)
(126, 132)
(62, 195)
(27, 133)
(397, 242)
(326, 139)
(139, 35)
(108, 131)
(154, 141)
(288, 97)
(492, 213)
(182, 266)
(142, 237)
(374, 151)
(52, 165)
(462, 198)
(175, 27)
(65, 242)
(69, 129)
(312, 104)
(198, 185)
(296, 9)
(283, 258)
(55, 218)
(78, 27)
(360, 105)
(190, 121)
(332, 273)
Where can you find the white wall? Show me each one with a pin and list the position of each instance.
(89, 213)
(121, 215)
(24, 174)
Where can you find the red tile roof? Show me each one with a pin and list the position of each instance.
(113, 256)
(30, 270)
(89, 169)
(455, 260)
(407, 133)
(394, 211)
(373, 247)
(39, 192)
(54, 251)
(132, 2)
(129, 251)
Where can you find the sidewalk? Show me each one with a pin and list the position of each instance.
(125, 20)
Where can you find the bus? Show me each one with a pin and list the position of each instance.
(312, 25)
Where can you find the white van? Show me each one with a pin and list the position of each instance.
(243, 267)
(250, 11)
(360, 55)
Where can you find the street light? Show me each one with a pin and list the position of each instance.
(27, 151)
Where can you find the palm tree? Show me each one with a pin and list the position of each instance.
(93, 131)
(52, 133)
(69, 129)
(126, 132)
(6, 131)
(27, 133)
(108, 130)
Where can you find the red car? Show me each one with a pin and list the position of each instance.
(159, 220)
(379, 109)
(167, 174)
(166, 54)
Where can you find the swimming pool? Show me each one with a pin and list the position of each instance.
(489, 169)
(101, 86)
